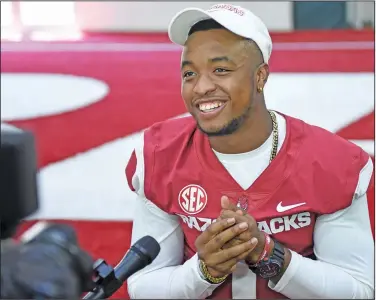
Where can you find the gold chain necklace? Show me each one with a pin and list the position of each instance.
(275, 136)
(242, 202)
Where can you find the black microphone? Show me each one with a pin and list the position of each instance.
(108, 281)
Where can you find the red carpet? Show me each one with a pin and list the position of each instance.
(145, 88)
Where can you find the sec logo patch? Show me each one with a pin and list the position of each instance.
(192, 199)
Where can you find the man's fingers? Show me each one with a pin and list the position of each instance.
(237, 252)
(227, 204)
(214, 229)
(244, 255)
(239, 217)
(227, 267)
(242, 237)
(222, 238)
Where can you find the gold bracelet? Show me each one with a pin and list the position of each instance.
(208, 277)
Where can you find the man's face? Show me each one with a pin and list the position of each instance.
(218, 80)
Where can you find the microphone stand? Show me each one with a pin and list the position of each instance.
(108, 280)
(106, 283)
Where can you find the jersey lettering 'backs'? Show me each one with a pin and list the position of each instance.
(314, 173)
(273, 226)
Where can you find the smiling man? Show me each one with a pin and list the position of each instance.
(246, 202)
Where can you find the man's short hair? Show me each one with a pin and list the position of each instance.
(205, 25)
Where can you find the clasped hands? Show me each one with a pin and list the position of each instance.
(232, 238)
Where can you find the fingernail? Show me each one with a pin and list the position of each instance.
(253, 241)
(231, 220)
(243, 225)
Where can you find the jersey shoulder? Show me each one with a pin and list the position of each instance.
(156, 146)
(334, 166)
(168, 133)
(165, 146)
(330, 146)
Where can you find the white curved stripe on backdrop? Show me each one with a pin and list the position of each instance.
(31, 95)
(79, 188)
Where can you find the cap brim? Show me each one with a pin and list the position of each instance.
(181, 24)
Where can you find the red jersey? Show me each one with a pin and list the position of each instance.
(314, 173)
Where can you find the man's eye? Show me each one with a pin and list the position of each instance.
(220, 70)
(188, 74)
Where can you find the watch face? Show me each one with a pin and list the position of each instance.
(269, 270)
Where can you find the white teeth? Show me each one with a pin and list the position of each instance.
(205, 107)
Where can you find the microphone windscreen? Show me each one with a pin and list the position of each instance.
(148, 246)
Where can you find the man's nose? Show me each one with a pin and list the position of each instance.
(204, 85)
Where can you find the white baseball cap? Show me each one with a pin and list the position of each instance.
(234, 18)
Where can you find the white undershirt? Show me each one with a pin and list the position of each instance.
(343, 245)
(245, 168)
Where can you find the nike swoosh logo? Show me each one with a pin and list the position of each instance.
(281, 208)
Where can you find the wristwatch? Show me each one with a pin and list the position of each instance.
(271, 266)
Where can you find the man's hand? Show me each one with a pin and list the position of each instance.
(230, 210)
(221, 262)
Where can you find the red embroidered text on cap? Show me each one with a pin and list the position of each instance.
(229, 7)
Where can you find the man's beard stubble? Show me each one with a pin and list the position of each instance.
(231, 127)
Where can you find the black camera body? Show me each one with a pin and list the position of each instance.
(18, 178)
(50, 265)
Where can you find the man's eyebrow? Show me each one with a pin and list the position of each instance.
(220, 58)
(214, 59)
(186, 63)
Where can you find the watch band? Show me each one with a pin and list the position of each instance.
(271, 265)
(278, 251)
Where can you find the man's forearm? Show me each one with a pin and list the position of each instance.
(183, 282)
(309, 279)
